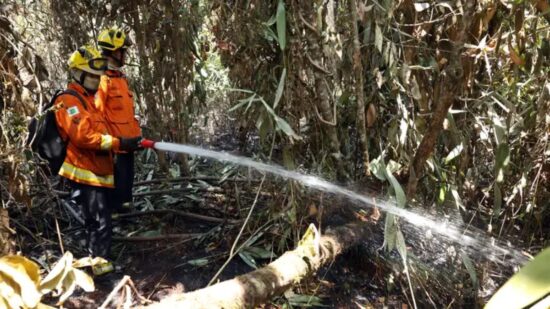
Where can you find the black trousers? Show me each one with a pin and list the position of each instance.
(93, 206)
(124, 179)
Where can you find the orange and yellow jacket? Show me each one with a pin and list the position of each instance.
(89, 158)
(116, 102)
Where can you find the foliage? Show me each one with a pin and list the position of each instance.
(453, 97)
(21, 285)
(528, 286)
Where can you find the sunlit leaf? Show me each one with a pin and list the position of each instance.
(454, 153)
(470, 268)
(305, 301)
(285, 127)
(281, 24)
(398, 190)
(442, 193)
(378, 168)
(378, 38)
(83, 280)
(419, 7)
(502, 159)
(59, 271)
(280, 89)
(497, 203)
(22, 263)
(242, 103)
(529, 284)
(258, 252)
(271, 21)
(198, 262)
(9, 294)
(401, 245)
(456, 196)
(68, 286)
(390, 232)
(3, 304)
(18, 274)
(249, 260)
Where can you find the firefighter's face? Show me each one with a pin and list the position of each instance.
(120, 55)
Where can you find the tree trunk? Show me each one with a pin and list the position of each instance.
(259, 286)
(359, 93)
(447, 89)
(320, 75)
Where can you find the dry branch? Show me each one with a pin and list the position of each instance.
(261, 285)
(182, 179)
(157, 238)
(178, 213)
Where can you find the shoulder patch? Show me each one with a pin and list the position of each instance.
(73, 111)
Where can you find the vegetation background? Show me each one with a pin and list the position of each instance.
(442, 105)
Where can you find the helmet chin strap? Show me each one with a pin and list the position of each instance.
(114, 63)
(80, 78)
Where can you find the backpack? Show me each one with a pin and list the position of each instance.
(44, 137)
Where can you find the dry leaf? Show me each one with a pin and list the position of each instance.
(371, 115)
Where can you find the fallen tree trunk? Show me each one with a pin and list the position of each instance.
(259, 286)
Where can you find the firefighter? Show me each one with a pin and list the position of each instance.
(116, 102)
(88, 164)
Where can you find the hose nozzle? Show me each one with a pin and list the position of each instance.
(147, 143)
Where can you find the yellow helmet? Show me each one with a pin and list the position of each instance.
(113, 38)
(88, 59)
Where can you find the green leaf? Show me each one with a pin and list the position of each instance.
(305, 301)
(151, 233)
(264, 126)
(378, 38)
(271, 21)
(269, 109)
(258, 252)
(281, 24)
(399, 193)
(378, 168)
(401, 246)
(442, 193)
(249, 260)
(285, 127)
(454, 153)
(502, 159)
(390, 232)
(198, 262)
(384, 172)
(529, 284)
(243, 102)
(470, 268)
(280, 89)
(497, 203)
(241, 90)
(500, 130)
(456, 196)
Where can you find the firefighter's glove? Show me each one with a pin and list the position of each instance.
(130, 144)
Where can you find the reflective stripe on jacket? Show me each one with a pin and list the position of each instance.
(89, 158)
(116, 102)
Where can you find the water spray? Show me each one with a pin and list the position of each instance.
(487, 246)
